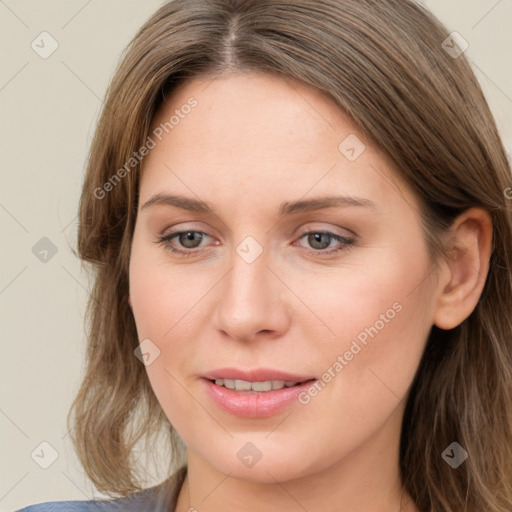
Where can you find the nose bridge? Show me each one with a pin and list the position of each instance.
(249, 275)
(250, 297)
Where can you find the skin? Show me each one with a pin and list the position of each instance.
(252, 142)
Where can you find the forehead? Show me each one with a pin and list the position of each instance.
(254, 111)
(255, 133)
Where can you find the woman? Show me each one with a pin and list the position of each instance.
(298, 221)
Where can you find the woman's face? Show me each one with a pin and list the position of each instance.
(262, 284)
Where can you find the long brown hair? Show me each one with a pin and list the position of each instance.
(385, 64)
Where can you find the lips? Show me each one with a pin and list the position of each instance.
(255, 375)
(256, 403)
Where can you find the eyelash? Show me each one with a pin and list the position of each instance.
(346, 241)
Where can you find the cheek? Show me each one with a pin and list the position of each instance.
(168, 304)
(366, 369)
(162, 303)
(162, 295)
(377, 318)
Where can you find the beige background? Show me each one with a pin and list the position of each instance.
(48, 112)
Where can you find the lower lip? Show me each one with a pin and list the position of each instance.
(255, 404)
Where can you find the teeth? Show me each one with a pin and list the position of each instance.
(244, 385)
(262, 386)
(229, 383)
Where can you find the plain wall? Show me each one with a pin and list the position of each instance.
(49, 108)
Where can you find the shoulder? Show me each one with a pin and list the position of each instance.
(130, 503)
(159, 498)
(62, 506)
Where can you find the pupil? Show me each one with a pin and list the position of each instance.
(316, 239)
(189, 237)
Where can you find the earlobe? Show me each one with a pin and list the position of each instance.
(468, 263)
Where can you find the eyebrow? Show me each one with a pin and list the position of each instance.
(286, 208)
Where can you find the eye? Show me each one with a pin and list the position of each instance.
(321, 240)
(189, 239)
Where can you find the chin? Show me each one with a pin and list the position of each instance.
(284, 464)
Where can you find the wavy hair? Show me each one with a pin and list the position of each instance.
(384, 64)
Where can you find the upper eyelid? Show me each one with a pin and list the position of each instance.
(173, 234)
(302, 231)
(300, 234)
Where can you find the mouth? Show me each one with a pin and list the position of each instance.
(257, 393)
(245, 386)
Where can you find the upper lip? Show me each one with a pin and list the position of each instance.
(255, 375)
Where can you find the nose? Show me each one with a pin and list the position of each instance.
(251, 301)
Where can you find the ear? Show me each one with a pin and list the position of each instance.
(469, 250)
